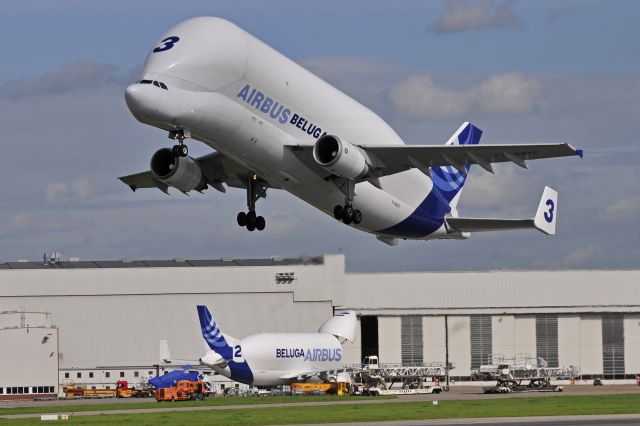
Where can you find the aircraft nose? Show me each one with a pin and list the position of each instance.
(135, 98)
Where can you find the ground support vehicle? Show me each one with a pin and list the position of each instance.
(184, 390)
(327, 388)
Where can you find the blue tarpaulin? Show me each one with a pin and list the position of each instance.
(169, 379)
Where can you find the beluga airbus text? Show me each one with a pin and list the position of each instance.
(273, 124)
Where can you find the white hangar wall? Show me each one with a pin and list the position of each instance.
(593, 316)
(112, 314)
(116, 316)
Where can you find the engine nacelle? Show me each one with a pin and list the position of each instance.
(340, 157)
(182, 173)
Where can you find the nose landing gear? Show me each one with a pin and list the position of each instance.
(255, 190)
(347, 213)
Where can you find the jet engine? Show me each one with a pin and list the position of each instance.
(340, 157)
(182, 173)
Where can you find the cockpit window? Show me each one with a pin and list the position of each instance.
(155, 83)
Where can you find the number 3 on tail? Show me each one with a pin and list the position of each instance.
(548, 215)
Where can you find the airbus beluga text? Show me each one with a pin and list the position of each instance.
(271, 359)
(273, 124)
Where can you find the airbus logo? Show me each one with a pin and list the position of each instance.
(315, 354)
(277, 111)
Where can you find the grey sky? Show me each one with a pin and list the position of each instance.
(566, 71)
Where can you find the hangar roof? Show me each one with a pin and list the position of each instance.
(173, 263)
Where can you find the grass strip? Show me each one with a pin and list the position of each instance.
(154, 404)
(512, 407)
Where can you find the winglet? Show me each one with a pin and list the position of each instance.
(580, 153)
(547, 213)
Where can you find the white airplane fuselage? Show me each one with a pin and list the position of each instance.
(247, 101)
(272, 359)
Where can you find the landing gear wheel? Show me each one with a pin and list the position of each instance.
(175, 150)
(346, 220)
(347, 214)
(251, 221)
(242, 219)
(260, 223)
(184, 151)
(357, 216)
(338, 211)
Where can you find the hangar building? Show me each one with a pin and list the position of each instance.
(107, 317)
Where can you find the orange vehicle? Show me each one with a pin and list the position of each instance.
(124, 391)
(184, 390)
(328, 388)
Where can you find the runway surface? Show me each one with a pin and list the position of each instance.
(456, 393)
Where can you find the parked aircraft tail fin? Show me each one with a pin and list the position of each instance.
(449, 180)
(216, 340)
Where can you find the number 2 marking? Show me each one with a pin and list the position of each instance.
(238, 351)
(548, 216)
(167, 44)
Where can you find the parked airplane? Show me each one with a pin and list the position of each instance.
(273, 124)
(271, 359)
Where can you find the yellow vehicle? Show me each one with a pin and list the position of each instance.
(79, 392)
(328, 388)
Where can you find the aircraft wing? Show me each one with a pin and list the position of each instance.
(386, 160)
(217, 169)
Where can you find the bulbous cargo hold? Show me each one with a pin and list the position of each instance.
(340, 157)
(182, 173)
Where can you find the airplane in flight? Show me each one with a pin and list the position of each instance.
(271, 359)
(273, 124)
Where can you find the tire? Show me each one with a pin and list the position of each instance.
(184, 151)
(337, 212)
(251, 218)
(260, 223)
(357, 216)
(251, 226)
(242, 219)
(347, 220)
(175, 151)
(348, 213)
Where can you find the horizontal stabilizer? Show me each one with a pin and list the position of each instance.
(469, 224)
(544, 220)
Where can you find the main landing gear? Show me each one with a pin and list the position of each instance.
(347, 213)
(179, 150)
(255, 190)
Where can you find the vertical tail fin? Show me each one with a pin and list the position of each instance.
(212, 334)
(448, 179)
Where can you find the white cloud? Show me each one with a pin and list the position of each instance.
(503, 94)
(624, 209)
(581, 256)
(82, 188)
(475, 15)
(56, 191)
